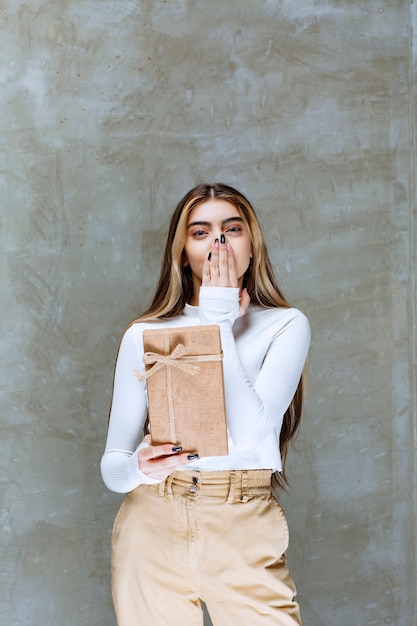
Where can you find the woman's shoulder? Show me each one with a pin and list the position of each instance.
(277, 319)
(282, 314)
(136, 328)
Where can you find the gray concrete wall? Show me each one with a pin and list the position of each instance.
(109, 112)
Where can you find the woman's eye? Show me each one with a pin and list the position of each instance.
(234, 229)
(199, 233)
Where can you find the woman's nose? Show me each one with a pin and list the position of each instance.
(219, 235)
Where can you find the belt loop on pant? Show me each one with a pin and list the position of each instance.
(245, 495)
(169, 480)
(232, 485)
(161, 489)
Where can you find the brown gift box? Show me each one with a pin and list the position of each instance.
(185, 388)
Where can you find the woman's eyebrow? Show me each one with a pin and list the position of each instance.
(237, 218)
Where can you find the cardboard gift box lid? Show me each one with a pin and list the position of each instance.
(184, 378)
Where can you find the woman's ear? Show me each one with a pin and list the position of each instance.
(184, 259)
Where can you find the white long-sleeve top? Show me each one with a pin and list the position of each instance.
(264, 352)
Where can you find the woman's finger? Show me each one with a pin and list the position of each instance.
(214, 264)
(231, 265)
(206, 274)
(159, 451)
(223, 260)
(220, 275)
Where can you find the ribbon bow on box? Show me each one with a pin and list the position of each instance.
(175, 359)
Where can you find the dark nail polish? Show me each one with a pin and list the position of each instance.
(191, 457)
(222, 238)
(209, 256)
(177, 448)
(216, 241)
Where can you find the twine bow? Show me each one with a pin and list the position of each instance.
(168, 360)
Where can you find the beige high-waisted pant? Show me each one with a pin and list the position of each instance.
(219, 537)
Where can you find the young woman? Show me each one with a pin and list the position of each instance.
(209, 529)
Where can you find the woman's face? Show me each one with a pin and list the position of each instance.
(207, 222)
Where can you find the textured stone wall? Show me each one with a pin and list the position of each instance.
(110, 111)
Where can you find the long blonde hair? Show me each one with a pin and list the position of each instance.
(175, 286)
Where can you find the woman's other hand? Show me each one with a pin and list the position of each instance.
(220, 267)
(159, 461)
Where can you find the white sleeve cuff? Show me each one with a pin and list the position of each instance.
(218, 304)
(121, 473)
(143, 479)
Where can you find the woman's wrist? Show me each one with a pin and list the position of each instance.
(218, 304)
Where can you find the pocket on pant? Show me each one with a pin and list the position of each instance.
(282, 519)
